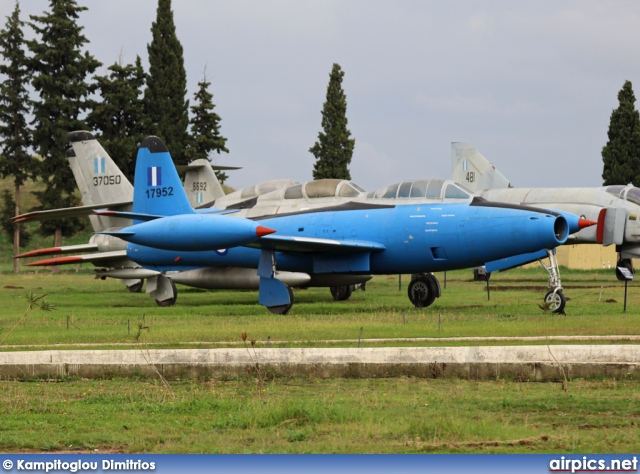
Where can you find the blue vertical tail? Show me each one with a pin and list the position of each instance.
(157, 186)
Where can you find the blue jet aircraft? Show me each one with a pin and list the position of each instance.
(400, 229)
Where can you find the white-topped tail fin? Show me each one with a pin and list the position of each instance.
(473, 170)
(201, 183)
(99, 179)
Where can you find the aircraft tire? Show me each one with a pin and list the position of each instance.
(137, 288)
(341, 293)
(170, 301)
(556, 301)
(422, 290)
(283, 308)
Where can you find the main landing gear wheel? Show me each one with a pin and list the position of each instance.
(423, 290)
(283, 308)
(556, 301)
(171, 301)
(341, 293)
(136, 288)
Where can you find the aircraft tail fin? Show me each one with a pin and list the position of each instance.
(99, 179)
(473, 170)
(201, 183)
(158, 189)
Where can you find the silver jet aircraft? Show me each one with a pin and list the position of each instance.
(616, 209)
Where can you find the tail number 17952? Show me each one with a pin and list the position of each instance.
(159, 192)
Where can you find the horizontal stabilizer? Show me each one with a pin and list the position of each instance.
(286, 243)
(515, 261)
(128, 215)
(196, 166)
(65, 249)
(122, 234)
(100, 257)
(66, 212)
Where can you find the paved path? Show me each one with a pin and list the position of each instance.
(528, 362)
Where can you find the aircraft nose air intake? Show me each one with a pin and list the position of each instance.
(561, 229)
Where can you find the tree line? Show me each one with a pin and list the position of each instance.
(49, 89)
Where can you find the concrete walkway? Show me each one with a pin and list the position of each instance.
(534, 362)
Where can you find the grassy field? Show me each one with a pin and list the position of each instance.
(400, 415)
(308, 415)
(95, 312)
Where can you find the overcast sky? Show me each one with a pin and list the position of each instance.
(530, 84)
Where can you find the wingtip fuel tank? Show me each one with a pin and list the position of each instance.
(193, 232)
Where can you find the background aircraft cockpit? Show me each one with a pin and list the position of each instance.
(324, 188)
(246, 197)
(626, 192)
(435, 189)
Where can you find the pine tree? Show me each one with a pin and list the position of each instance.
(119, 117)
(205, 128)
(167, 109)
(621, 154)
(15, 135)
(60, 71)
(334, 148)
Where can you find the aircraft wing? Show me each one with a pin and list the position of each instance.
(66, 212)
(285, 243)
(102, 258)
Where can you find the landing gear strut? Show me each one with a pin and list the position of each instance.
(423, 289)
(554, 298)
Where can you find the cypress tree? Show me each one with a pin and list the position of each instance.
(60, 71)
(15, 135)
(621, 154)
(205, 128)
(120, 116)
(334, 147)
(167, 109)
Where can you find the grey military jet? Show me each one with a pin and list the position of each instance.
(616, 208)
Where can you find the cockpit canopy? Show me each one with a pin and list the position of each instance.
(626, 192)
(265, 187)
(323, 188)
(436, 189)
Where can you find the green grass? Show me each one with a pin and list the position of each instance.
(308, 415)
(92, 311)
(402, 415)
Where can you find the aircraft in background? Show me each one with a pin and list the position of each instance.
(103, 186)
(417, 227)
(615, 208)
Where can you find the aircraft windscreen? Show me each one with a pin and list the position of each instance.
(633, 195)
(616, 190)
(350, 190)
(454, 192)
